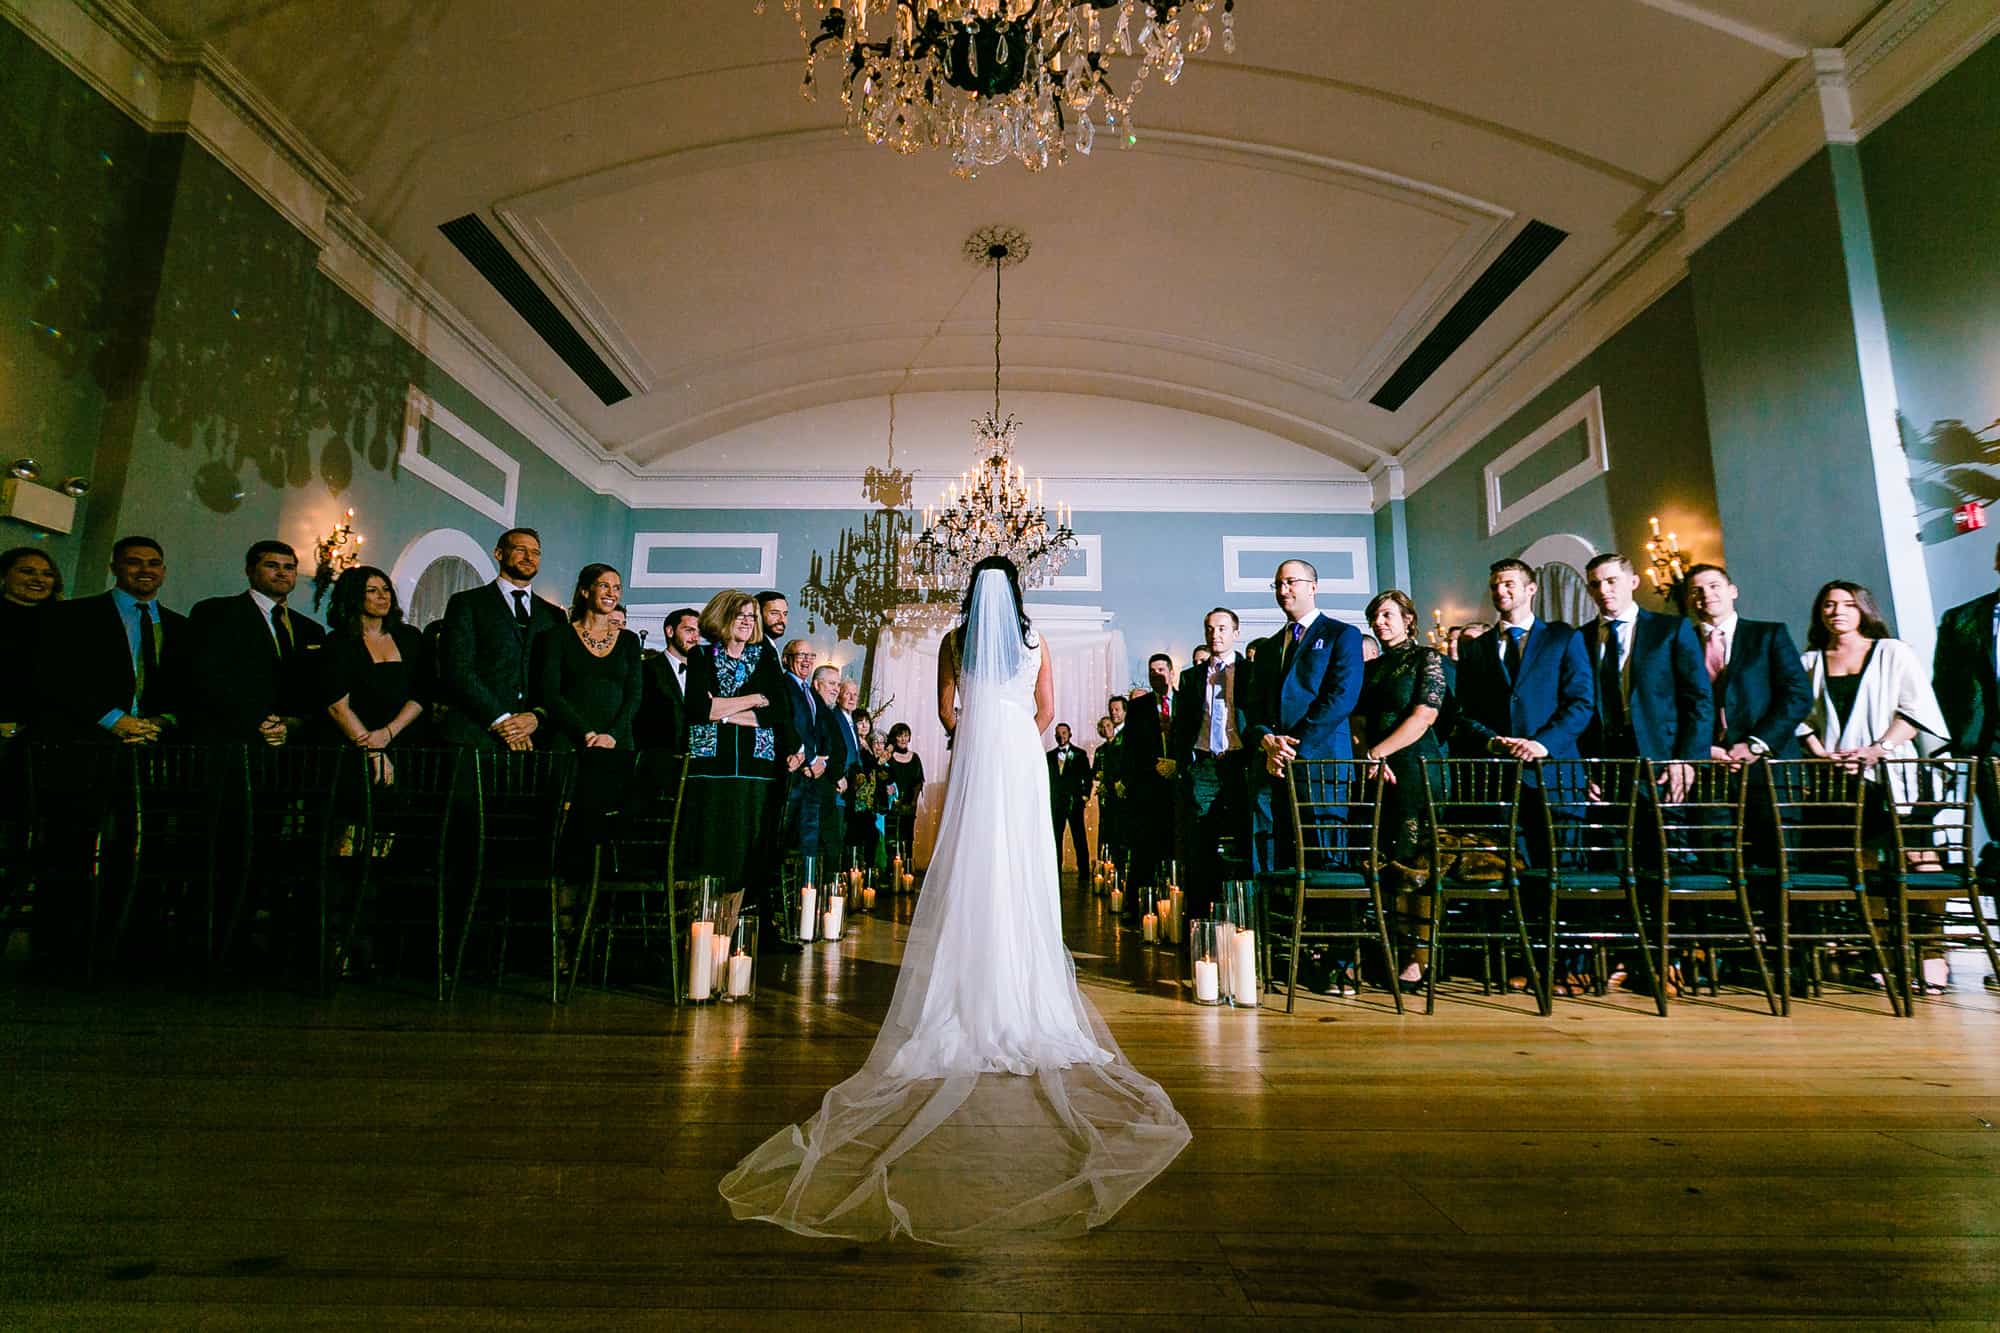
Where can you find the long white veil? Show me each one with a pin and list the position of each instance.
(994, 1100)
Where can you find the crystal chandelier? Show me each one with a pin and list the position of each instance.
(991, 509)
(994, 79)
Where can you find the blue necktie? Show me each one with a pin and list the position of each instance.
(1515, 634)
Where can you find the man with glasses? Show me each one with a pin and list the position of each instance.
(1306, 679)
(488, 633)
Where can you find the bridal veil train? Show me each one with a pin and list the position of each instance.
(994, 1100)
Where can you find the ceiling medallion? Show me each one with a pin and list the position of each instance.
(994, 508)
(988, 80)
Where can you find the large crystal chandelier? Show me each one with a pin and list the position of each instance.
(994, 79)
(992, 509)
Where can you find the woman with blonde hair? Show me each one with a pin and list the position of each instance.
(737, 728)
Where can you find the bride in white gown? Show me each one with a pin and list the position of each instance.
(994, 1100)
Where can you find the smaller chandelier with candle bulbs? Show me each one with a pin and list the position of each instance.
(992, 79)
(993, 508)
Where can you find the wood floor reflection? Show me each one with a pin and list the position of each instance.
(264, 1160)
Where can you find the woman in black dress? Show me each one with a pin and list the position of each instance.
(864, 834)
(374, 663)
(738, 725)
(30, 584)
(906, 772)
(588, 681)
(1395, 724)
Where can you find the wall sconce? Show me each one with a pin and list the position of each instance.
(1666, 563)
(335, 554)
(1437, 635)
(24, 498)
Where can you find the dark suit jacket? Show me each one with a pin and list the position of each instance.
(809, 723)
(1671, 707)
(662, 723)
(1144, 745)
(1311, 698)
(236, 679)
(1191, 707)
(1069, 783)
(1764, 691)
(84, 667)
(484, 665)
(1551, 704)
(1962, 676)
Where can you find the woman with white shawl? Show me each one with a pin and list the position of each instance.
(1871, 693)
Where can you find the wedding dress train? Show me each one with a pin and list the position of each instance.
(994, 1100)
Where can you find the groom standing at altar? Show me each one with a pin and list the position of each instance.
(1306, 679)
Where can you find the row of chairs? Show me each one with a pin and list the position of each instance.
(1556, 858)
(308, 841)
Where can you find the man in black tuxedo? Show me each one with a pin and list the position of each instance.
(1208, 754)
(1653, 695)
(1147, 769)
(255, 668)
(1069, 793)
(1962, 674)
(114, 667)
(1759, 687)
(488, 634)
(799, 821)
(1306, 680)
(1108, 778)
(662, 721)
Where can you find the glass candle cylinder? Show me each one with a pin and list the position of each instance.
(1245, 979)
(803, 900)
(739, 972)
(1204, 966)
(833, 912)
(1149, 927)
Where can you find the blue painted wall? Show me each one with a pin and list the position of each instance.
(1656, 441)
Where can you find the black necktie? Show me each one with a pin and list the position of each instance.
(1610, 679)
(281, 625)
(521, 607)
(1515, 634)
(149, 655)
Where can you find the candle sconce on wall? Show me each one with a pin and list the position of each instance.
(1667, 563)
(335, 554)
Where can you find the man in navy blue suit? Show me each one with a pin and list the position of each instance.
(1306, 681)
(1759, 688)
(799, 827)
(1653, 695)
(1524, 689)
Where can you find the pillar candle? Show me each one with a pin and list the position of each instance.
(1243, 968)
(1206, 987)
(1179, 907)
(808, 916)
(701, 960)
(1118, 900)
(1225, 951)
(909, 883)
(1150, 926)
(739, 974)
(868, 897)
(836, 909)
(721, 961)
(1164, 909)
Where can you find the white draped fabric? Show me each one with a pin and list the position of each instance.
(1090, 666)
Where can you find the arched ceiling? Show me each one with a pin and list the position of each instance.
(1291, 222)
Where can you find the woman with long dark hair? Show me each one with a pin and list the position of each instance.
(376, 673)
(1871, 692)
(30, 584)
(994, 1100)
(589, 679)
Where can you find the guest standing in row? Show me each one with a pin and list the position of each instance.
(1069, 795)
(1870, 695)
(739, 725)
(588, 681)
(1403, 694)
(30, 584)
(1147, 770)
(1654, 698)
(375, 669)
(1209, 757)
(114, 667)
(489, 633)
(906, 773)
(255, 668)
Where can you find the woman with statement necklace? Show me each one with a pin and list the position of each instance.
(738, 725)
(589, 682)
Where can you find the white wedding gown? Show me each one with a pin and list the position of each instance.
(994, 1100)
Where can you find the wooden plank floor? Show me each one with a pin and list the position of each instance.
(269, 1161)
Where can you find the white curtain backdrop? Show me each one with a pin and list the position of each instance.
(1090, 666)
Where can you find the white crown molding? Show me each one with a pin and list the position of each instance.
(1777, 43)
(1834, 96)
(1087, 494)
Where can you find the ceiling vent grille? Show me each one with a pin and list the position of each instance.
(483, 250)
(1523, 255)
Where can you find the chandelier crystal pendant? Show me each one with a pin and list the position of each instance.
(994, 508)
(992, 79)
